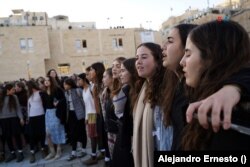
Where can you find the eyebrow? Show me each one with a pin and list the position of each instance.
(144, 54)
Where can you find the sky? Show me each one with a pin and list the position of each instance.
(128, 13)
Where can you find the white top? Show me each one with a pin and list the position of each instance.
(70, 102)
(35, 105)
(88, 101)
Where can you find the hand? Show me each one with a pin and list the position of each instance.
(22, 122)
(222, 101)
(55, 103)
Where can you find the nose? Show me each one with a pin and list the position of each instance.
(138, 61)
(164, 49)
(183, 61)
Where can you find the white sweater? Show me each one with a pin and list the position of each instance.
(88, 101)
(35, 105)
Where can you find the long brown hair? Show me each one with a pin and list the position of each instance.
(135, 83)
(172, 80)
(116, 82)
(12, 100)
(107, 92)
(97, 89)
(226, 46)
(32, 85)
(154, 93)
(99, 70)
(53, 85)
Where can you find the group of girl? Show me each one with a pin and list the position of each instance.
(174, 97)
(206, 86)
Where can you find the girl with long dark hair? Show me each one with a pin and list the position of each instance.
(109, 116)
(36, 119)
(76, 117)
(149, 66)
(55, 117)
(131, 85)
(214, 52)
(11, 119)
(96, 119)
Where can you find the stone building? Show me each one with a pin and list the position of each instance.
(31, 44)
(237, 10)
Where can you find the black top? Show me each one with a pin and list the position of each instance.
(49, 103)
(242, 79)
(219, 140)
(122, 155)
(61, 108)
(178, 115)
(127, 121)
(111, 119)
(232, 139)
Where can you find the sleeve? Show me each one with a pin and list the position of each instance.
(28, 108)
(19, 111)
(61, 108)
(86, 115)
(241, 79)
(43, 98)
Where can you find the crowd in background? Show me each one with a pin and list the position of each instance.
(183, 95)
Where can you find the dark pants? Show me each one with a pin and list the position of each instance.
(100, 131)
(12, 129)
(36, 128)
(77, 130)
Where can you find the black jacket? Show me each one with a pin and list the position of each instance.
(180, 104)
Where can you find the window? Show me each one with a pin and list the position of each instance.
(114, 43)
(23, 43)
(41, 18)
(30, 43)
(26, 44)
(84, 43)
(117, 43)
(78, 44)
(64, 68)
(120, 42)
(34, 18)
(81, 45)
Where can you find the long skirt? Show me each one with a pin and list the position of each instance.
(92, 129)
(54, 128)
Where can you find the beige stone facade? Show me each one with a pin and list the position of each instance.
(101, 45)
(237, 10)
(22, 51)
(30, 50)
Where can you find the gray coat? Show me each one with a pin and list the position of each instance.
(77, 100)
